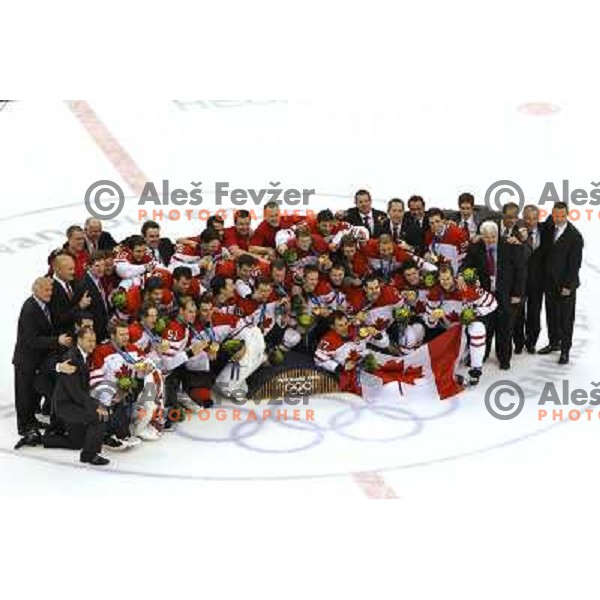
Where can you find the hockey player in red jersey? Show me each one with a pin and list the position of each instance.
(454, 302)
(229, 368)
(386, 258)
(342, 350)
(115, 366)
(134, 261)
(445, 241)
(375, 305)
(271, 314)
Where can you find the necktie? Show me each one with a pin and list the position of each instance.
(533, 240)
(367, 222)
(102, 294)
(69, 290)
(556, 233)
(490, 263)
(46, 312)
(395, 234)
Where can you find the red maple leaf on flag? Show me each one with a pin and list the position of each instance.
(393, 370)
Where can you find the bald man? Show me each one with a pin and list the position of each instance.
(64, 304)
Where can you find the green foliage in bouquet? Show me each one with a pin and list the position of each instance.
(470, 276)
(305, 321)
(290, 256)
(126, 384)
(429, 279)
(276, 356)
(160, 326)
(467, 316)
(402, 314)
(370, 364)
(119, 299)
(232, 347)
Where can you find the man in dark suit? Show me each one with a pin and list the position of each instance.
(469, 216)
(510, 227)
(528, 326)
(36, 339)
(364, 215)
(562, 247)
(501, 269)
(401, 226)
(161, 248)
(64, 304)
(416, 207)
(83, 417)
(96, 239)
(91, 284)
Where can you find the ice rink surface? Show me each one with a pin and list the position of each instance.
(50, 153)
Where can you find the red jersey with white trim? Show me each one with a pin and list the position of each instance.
(222, 326)
(388, 266)
(245, 288)
(264, 235)
(262, 314)
(334, 351)
(106, 360)
(181, 336)
(231, 237)
(127, 268)
(452, 245)
(454, 301)
(379, 313)
(321, 297)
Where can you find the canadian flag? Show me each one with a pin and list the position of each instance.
(428, 372)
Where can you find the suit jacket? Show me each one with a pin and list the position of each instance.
(410, 232)
(354, 218)
(97, 308)
(105, 242)
(535, 262)
(515, 229)
(511, 269)
(71, 399)
(480, 214)
(423, 227)
(562, 259)
(63, 311)
(36, 337)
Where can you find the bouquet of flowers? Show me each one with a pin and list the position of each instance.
(402, 314)
(125, 380)
(468, 315)
(118, 299)
(290, 256)
(369, 363)
(160, 326)
(429, 279)
(232, 347)
(276, 356)
(470, 276)
(305, 320)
